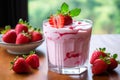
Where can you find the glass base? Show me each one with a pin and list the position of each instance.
(73, 70)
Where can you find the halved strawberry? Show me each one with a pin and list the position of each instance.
(64, 16)
(51, 20)
(60, 21)
(57, 21)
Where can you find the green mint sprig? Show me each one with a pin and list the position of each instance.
(75, 12)
(65, 10)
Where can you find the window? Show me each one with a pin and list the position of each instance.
(105, 14)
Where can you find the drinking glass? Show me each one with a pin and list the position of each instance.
(68, 47)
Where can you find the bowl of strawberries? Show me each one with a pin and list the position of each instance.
(22, 39)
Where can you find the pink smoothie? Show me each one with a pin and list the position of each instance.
(68, 46)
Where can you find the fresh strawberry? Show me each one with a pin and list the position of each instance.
(20, 65)
(7, 28)
(99, 60)
(57, 21)
(99, 66)
(52, 20)
(60, 21)
(97, 54)
(36, 36)
(9, 36)
(67, 20)
(20, 28)
(113, 62)
(64, 16)
(33, 60)
(23, 38)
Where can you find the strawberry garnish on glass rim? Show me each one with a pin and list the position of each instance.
(63, 16)
(57, 21)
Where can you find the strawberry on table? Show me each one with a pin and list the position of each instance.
(23, 38)
(113, 62)
(102, 62)
(99, 66)
(33, 60)
(21, 26)
(20, 65)
(97, 54)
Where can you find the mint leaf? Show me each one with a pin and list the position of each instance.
(64, 8)
(75, 12)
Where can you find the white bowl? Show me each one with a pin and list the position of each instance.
(20, 49)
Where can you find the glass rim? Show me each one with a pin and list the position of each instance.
(87, 20)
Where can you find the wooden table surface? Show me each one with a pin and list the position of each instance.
(111, 42)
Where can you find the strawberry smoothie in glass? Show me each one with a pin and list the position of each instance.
(67, 42)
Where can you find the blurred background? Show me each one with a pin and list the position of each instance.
(104, 14)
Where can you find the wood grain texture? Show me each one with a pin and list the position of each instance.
(111, 42)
